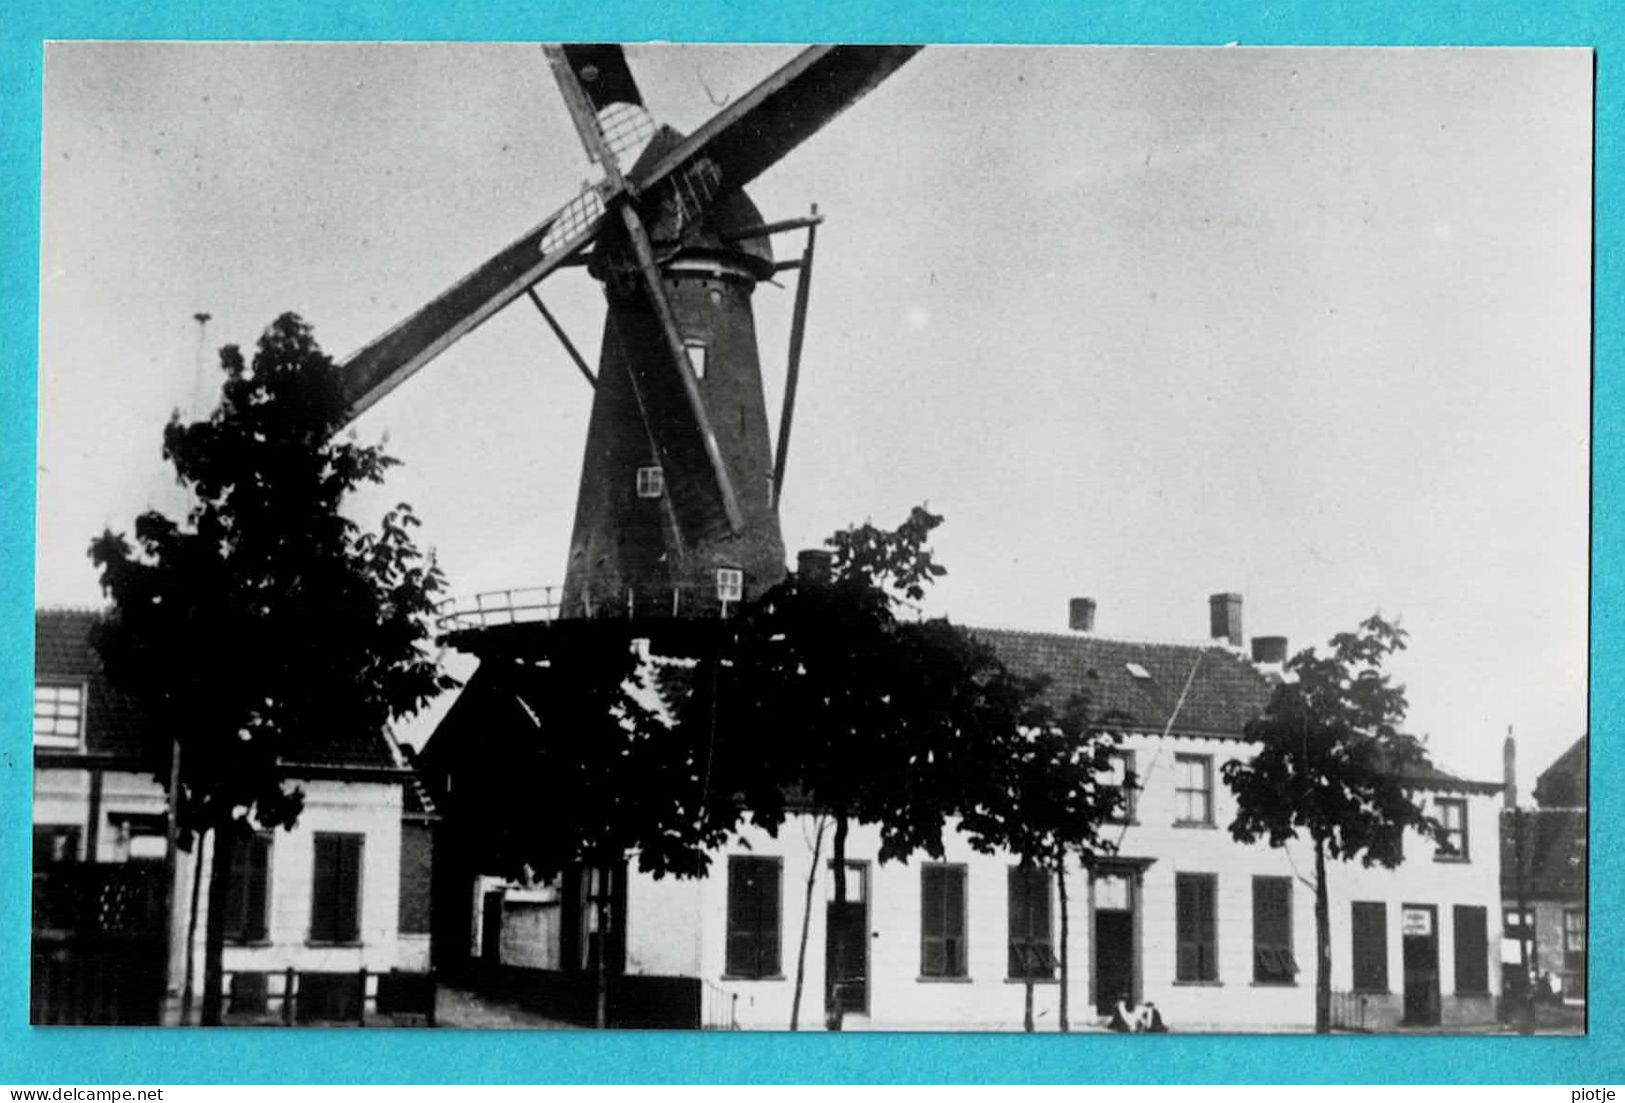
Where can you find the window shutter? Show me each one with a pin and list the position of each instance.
(1196, 927)
(954, 934)
(933, 921)
(258, 873)
(1472, 949)
(324, 902)
(349, 894)
(1370, 957)
(753, 917)
(767, 912)
(741, 919)
(1272, 929)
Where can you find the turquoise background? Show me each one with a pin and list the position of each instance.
(132, 1056)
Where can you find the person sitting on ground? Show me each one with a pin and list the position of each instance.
(1124, 1019)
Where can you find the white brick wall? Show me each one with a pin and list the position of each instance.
(663, 917)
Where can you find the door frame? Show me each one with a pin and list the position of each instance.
(1131, 870)
(862, 866)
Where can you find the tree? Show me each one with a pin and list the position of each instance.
(875, 718)
(265, 620)
(1333, 764)
(1047, 795)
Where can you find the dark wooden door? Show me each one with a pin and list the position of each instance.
(846, 943)
(1112, 894)
(1114, 959)
(1420, 927)
(491, 928)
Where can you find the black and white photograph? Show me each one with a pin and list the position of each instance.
(1064, 539)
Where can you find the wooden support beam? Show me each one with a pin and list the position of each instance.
(558, 331)
(767, 229)
(798, 331)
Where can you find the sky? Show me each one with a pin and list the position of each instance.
(1144, 324)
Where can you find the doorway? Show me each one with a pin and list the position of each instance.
(1419, 927)
(1116, 972)
(846, 940)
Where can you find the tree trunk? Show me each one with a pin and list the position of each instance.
(1066, 974)
(806, 923)
(191, 931)
(1323, 945)
(1027, 1013)
(214, 938)
(832, 1003)
(599, 879)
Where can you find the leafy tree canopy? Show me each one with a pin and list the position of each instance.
(1332, 761)
(266, 620)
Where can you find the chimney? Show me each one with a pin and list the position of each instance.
(1509, 770)
(815, 564)
(1225, 618)
(1080, 614)
(1269, 650)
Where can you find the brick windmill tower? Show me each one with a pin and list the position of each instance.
(677, 513)
(677, 516)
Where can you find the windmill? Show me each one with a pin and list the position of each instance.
(678, 504)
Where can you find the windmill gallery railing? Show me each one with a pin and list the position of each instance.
(545, 604)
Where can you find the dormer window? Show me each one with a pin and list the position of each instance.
(696, 357)
(651, 482)
(730, 584)
(59, 715)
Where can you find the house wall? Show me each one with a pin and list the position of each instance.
(372, 809)
(663, 916)
(63, 797)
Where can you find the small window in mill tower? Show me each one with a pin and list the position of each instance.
(696, 357)
(651, 482)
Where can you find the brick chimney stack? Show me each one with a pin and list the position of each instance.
(1269, 650)
(1225, 618)
(815, 564)
(1080, 614)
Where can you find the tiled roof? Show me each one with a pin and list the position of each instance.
(1554, 853)
(1563, 783)
(115, 724)
(1144, 680)
(113, 721)
(1226, 691)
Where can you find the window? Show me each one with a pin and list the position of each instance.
(1574, 953)
(335, 913)
(753, 917)
(1032, 947)
(696, 357)
(1193, 780)
(1574, 931)
(139, 836)
(1196, 927)
(246, 888)
(417, 866)
(1472, 949)
(651, 482)
(56, 844)
(1273, 962)
(1122, 778)
(59, 714)
(1370, 946)
(1452, 813)
(942, 920)
(730, 584)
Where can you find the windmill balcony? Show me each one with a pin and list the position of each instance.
(545, 604)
